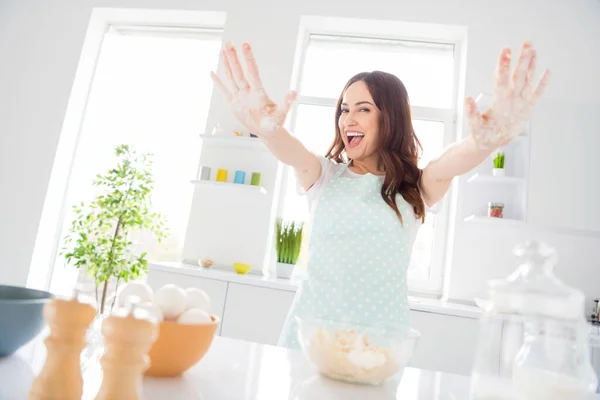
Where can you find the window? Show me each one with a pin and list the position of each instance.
(428, 70)
(151, 89)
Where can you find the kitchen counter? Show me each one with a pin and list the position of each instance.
(239, 370)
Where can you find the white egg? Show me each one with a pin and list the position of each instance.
(134, 288)
(171, 300)
(130, 301)
(152, 309)
(197, 299)
(194, 316)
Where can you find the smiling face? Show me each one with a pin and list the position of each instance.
(359, 122)
(374, 106)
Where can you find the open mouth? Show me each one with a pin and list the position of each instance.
(354, 138)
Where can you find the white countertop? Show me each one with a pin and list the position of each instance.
(416, 303)
(238, 370)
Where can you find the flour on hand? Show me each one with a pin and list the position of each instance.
(513, 102)
(248, 100)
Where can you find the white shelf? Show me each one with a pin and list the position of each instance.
(242, 142)
(479, 178)
(495, 221)
(224, 268)
(237, 186)
(513, 190)
(254, 277)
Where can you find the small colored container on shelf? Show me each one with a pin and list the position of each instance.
(241, 268)
(240, 177)
(205, 174)
(222, 175)
(495, 210)
(255, 179)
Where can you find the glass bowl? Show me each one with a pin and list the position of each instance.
(355, 353)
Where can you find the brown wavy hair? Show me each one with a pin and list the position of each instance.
(398, 147)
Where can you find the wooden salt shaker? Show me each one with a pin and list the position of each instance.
(127, 341)
(60, 377)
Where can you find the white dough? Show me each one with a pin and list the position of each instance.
(197, 298)
(171, 300)
(366, 359)
(194, 316)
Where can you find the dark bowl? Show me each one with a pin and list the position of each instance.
(21, 316)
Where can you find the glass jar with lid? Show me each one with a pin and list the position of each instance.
(534, 338)
(495, 210)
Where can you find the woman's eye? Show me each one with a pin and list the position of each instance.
(345, 110)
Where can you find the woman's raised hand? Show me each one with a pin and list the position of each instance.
(513, 102)
(246, 95)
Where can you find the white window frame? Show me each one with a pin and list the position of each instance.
(48, 238)
(402, 31)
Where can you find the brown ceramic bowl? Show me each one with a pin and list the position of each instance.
(178, 347)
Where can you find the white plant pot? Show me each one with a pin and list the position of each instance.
(284, 270)
(498, 172)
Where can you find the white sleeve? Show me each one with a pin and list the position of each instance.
(429, 209)
(432, 209)
(328, 170)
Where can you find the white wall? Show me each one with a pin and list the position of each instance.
(40, 44)
(232, 224)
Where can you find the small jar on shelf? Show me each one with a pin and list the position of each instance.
(495, 210)
(595, 317)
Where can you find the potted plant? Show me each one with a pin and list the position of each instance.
(98, 238)
(289, 241)
(498, 164)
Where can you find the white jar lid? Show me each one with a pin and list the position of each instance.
(534, 290)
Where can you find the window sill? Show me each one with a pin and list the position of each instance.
(416, 303)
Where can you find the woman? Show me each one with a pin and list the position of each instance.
(367, 195)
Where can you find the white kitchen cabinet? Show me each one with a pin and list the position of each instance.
(447, 343)
(255, 313)
(215, 289)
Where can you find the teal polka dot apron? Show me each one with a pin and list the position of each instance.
(358, 258)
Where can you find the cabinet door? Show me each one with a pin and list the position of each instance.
(447, 343)
(255, 314)
(215, 289)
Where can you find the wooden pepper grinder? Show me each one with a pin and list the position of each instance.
(127, 341)
(60, 377)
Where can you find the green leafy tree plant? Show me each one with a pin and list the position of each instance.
(98, 236)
